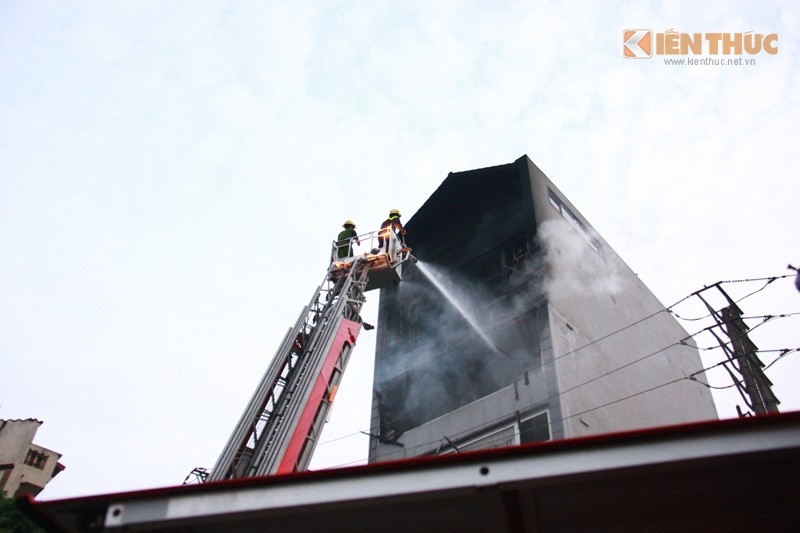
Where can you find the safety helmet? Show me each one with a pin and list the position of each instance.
(394, 212)
(348, 223)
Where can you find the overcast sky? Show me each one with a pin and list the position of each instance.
(172, 173)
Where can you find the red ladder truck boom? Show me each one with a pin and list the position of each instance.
(280, 426)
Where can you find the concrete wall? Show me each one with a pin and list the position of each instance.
(591, 295)
(15, 437)
(525, 397)
(16, 441)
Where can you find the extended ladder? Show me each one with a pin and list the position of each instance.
(278, 430)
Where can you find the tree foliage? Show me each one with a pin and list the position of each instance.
(12, 520)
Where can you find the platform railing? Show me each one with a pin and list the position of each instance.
(370, 244)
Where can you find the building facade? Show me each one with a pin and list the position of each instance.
(25, 467)
(521, 324)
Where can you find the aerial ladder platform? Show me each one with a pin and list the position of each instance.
(281, 425)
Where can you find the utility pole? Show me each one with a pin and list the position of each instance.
(756, 383)
(754, 386)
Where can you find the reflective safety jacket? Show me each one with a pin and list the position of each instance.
(391, 222)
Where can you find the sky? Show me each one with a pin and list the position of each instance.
(172, 175)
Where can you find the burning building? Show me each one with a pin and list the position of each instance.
(521, 324)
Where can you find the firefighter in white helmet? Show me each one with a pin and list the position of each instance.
(344, 242)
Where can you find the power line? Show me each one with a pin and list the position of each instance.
(509, 416)
(767, 318)
(783, 352)
(669, 310)
(682, 341)
(609, 335)
(475, 430)
(549, 399)
(769, 280)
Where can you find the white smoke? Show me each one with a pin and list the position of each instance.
(574, 268)
(434, 361)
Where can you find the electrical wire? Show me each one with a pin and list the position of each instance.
(726, 387)
(562, 392)
(509, 416)
(681, 342)
(747, 280)
(768, 280)
(609, 335)
(476, 429)
(669, 310)
(767, 318)
(784, 352)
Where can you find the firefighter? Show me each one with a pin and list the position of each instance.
(386, 228)
(344, 242)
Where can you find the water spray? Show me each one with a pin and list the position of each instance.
(460, 308)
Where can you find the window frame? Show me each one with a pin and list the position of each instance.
(576, 223)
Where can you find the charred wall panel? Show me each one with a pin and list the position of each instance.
(476, 236)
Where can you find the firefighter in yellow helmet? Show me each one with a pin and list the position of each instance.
(393, 222)
(344, 242)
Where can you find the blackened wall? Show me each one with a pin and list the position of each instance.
(477, 233)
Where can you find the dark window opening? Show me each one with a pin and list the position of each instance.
(535, 429)
(515, 253)
(573, 221)
(36, 459)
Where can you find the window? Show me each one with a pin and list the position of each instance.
(498, 439)
(535, 429)
(36, 459)
(5, 473)
(573, 221)
(515, 253)
(515, 264)
(554, 201)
